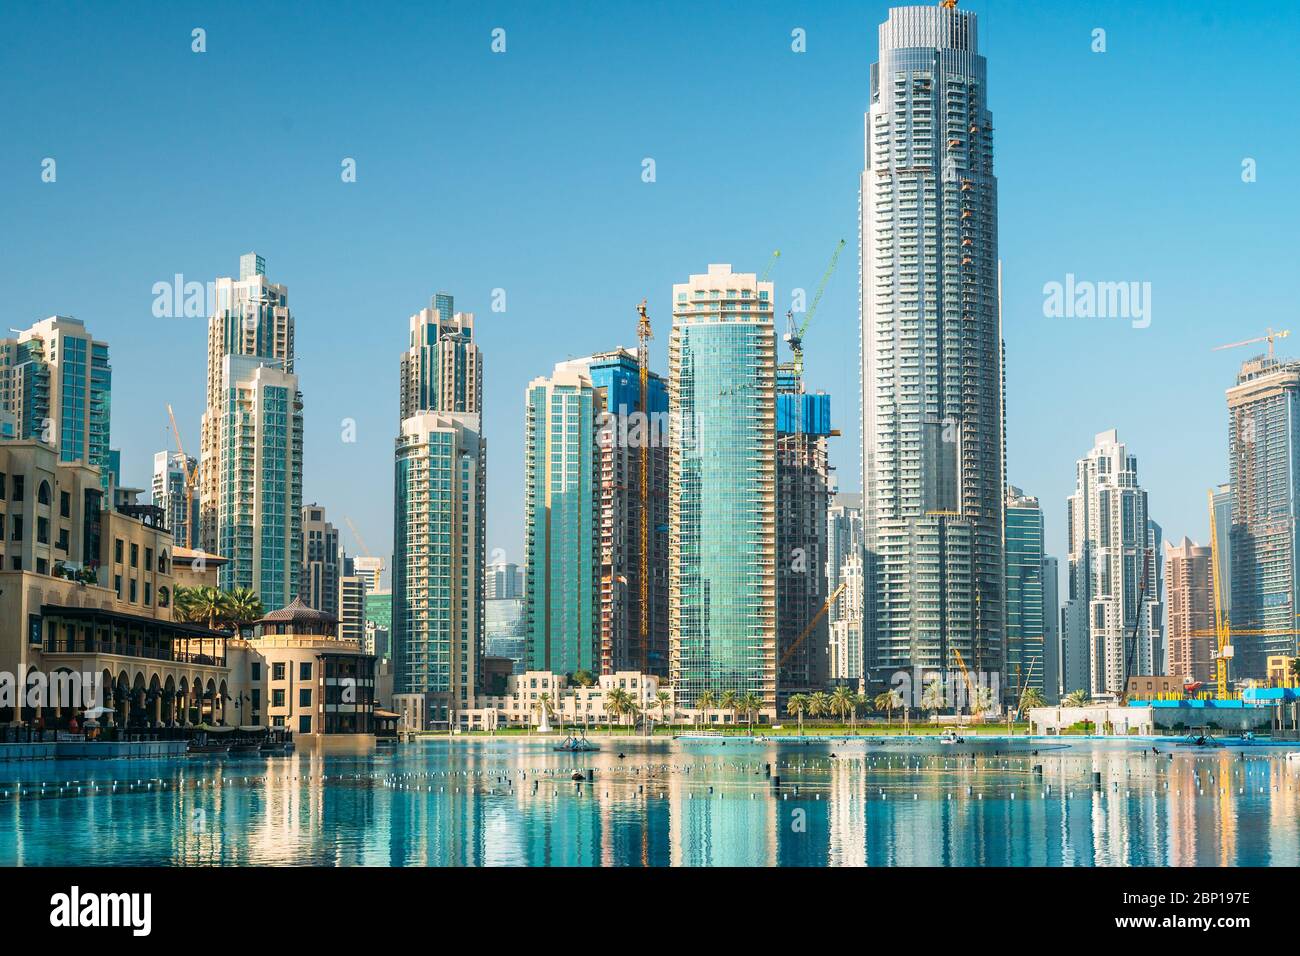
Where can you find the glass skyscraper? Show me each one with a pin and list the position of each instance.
(440, 515)
(250, 466)
(722, 487)
(931, 351)
(1026, 613)
(561, 521)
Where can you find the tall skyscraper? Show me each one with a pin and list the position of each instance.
(628, 433)
(722, 487)
(170, 469)
(322, 562)
(440, 514)
(370, 569)
(1053, 656)
(931, 350)
(803, 479)
(1264, 463)
(56, 383)
(351, 601)
(1112, 569)
(1191, 611)
(250, 465)
(1026, 611)
(562, 520)
(1222, 505)
(503, 581)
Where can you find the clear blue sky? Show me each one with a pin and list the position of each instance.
(523, 171)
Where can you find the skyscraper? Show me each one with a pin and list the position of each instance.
(1191, 611)
(351, 601)
(562, 520)
(1112, 569)
(1026, 611)
(844, 542)
(931, 350)
(627, 433)
(322, 562)
(722, 487)
(440, 514)
(56, 382)
(250, 465)
(170, 471)
(1264, 468)
(1053, 655)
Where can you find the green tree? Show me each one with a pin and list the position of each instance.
(616, 701)
(583, 678)
(664, 701)
(1030, 699)
(243, 609)
(751, 705)
(860, 702)
(208, 605)
(1077, 698)
(819, 704)
(730, 700)
(706, 701)
(934, 698)
(887, 701)
(797, 705)
(842, 701)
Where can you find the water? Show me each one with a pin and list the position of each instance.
(512, 802)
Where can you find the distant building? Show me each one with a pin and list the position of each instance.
(171, 471)
(506, 630)
(503, 582)
(370, 570)
(1053, 655)
(844, 544)
(321, 561)
(1025, 608)
(352, 608)
(1192, 645)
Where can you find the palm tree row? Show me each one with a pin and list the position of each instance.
(236, 610)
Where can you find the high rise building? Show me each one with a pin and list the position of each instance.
(379, 621)
(1113, 570)
(1025, 609)
(562, 521)
(250, 465)
(440, 514)
(351, 600)
(1264, 464)
(1222, 505)
(628, 433)
(369, 569)
(1053, 657)
(322, 562)
(722, 487)
(803, 480)
(503, 581)
(170, 475)
(56, 383)
(931, 350)
(1188, 568)
(844, 543)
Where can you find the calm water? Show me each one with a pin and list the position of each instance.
(512, 802)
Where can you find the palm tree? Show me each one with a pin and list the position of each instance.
(797, 704)
(750, 705)
(730, 700)
(1030, 699)
(633, 710)
(842, 701)
(243, 609)
(664, 701)
(984, 700)
(1077, 698)
(933, 697)
(860, 702)
(615, 702)
(887, 701)
(819, 704)
(208, 604)
(706, 700)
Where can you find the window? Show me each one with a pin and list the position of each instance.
(304, 697)
(65, 504)
(135, 555)
(16, 528)
(117, 585)
(133, 587)
(277, 698)
(2, 485)
(63, 540)
(255, 670)
(277, 670)
(304, 670)
(148, 559)
(117, 551)
(43, 493)
(304, 724)
(42, 566)
(42, 530)
(15, 563)
(19, 483)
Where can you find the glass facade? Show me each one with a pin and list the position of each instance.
(1026, 612)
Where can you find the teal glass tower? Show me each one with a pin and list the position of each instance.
(722, 488)
(561, 522)
(1026, 613)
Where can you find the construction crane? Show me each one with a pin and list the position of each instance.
(1268, 337)
(187, 481)
(776, 254)
(794, 335)
(643, 337)
(811, 624)
(362, 542)
(1127, 654)
(970, 688)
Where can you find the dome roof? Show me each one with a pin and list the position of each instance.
(298, 613)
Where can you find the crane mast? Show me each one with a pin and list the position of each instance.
(643, 336)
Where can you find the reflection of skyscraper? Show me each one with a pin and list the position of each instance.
(931, 349)
(722, 495)
(250, 474)
(1264, 462)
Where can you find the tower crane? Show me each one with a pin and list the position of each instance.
(794, 334)
(643, 337)
(362, 542)
(187, 481)
(1268, 337)
(776, 254)
(811, 624)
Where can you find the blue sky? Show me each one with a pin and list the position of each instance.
(522, 171)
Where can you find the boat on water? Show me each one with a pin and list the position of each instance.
(576, 745)
(248, 740)
(1200, 740)
(951, 736)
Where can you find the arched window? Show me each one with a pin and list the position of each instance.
(43, 493)
(164, 597)
(162, 562)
